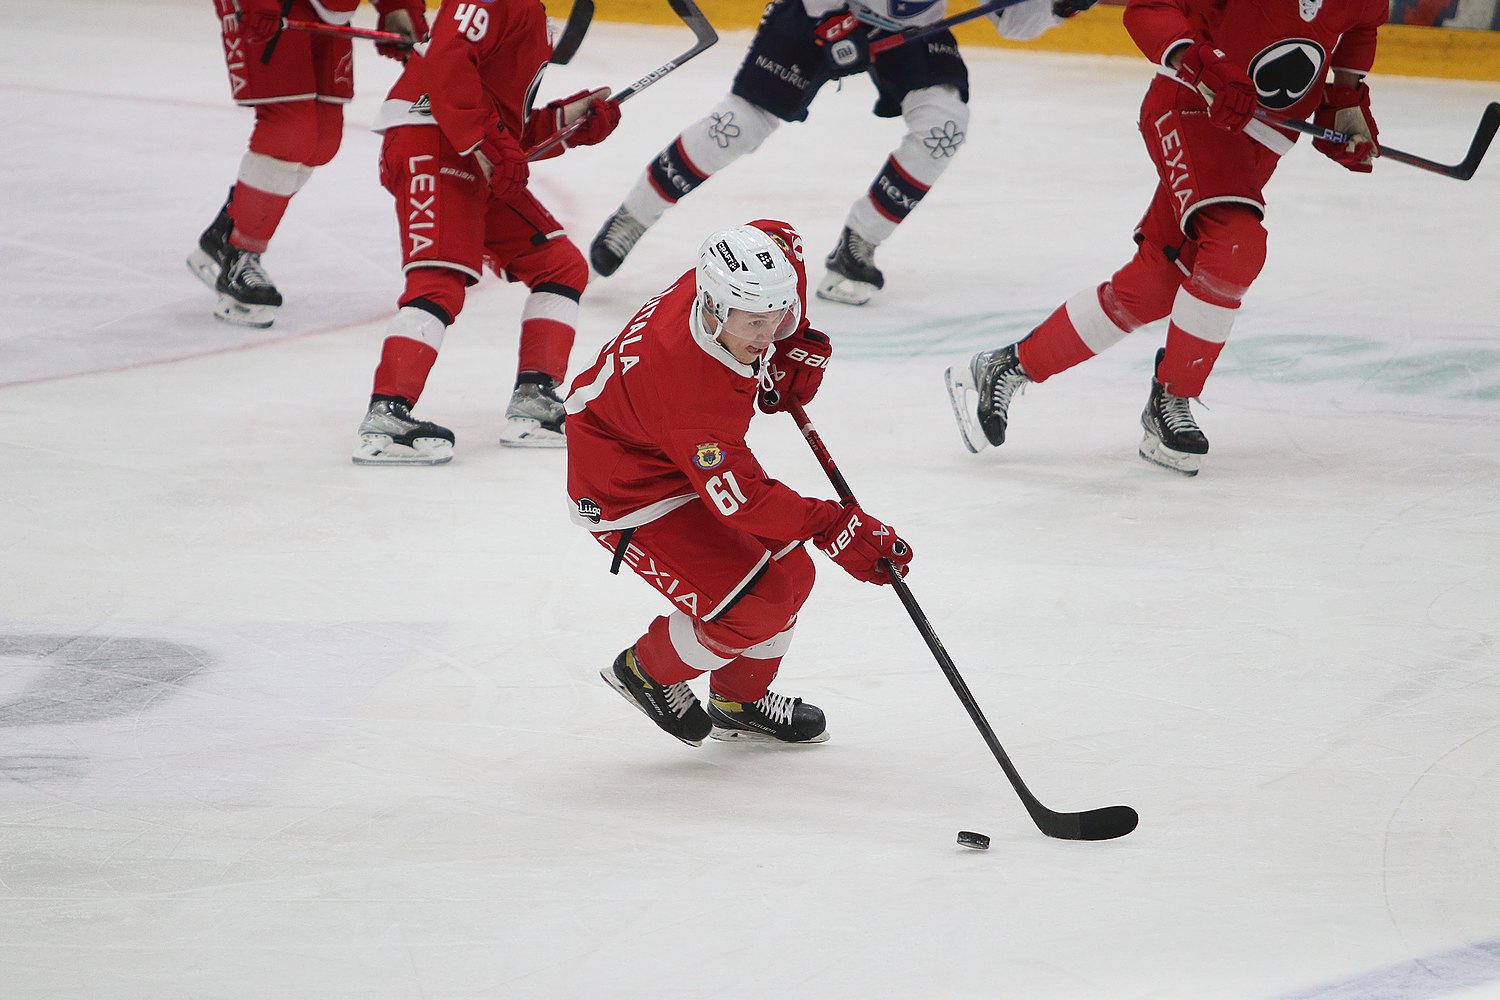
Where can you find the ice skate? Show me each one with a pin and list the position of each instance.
(773, 719)
(981, 395)
(534, 418)
(673, 707)
(213, 246)
(1173, 439)
(616, 239)
(246, 295)
(852, 276)
(389, 436)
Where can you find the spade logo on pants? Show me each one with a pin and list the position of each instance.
(1285, 72)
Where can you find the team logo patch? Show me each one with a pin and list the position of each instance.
(709, 456)
(1286, 71)
(589, 511)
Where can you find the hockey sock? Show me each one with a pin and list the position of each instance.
(672, 650)
(412, 342)
(749, 677)
(936, 122)
(732, 129)
(1076, 331)
(1231, 250)
(261, 194)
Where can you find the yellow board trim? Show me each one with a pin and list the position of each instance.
(1405, 50)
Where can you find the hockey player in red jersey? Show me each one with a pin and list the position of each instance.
(1201, 243)
(799, 47)
(298, 95)
(458, 125)
(659, 471)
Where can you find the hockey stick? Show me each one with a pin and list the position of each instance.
(1489, 123)
(704, 36)
(349, 31)
(568, 40)
(926, 31)
(1094, 824)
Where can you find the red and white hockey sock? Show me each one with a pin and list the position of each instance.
(732, 129)
(548, 321)
(412, 342)
(1195, 337)
(937, 121)
(749, 677)
(262, 192)
(1076, 331)
(673, 650)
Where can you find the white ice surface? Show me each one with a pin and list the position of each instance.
(337, 732)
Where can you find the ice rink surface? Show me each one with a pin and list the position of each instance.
(273, 726)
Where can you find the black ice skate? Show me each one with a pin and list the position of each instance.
(534, 418)
(852, 276)
(981, 395)
(246, 295)
(1173, 439)
(775, 718)
(213, 246)
(673, 707)
(389, 436)
(616, 239)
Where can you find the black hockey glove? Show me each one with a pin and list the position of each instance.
(846, 40)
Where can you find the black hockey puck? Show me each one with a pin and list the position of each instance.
(978, 841)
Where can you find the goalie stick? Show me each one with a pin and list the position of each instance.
(704, 36)
(1489, 123)
(1106, 823)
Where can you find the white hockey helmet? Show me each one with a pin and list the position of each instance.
(746, 268)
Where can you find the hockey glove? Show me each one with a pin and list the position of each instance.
(404, 17)
(504, 162)
(1226, 88)
(1346, 109)
(600, 116)
(259, 20)
(847, 42)
(795, 371)
(858, 543)
(1068, 8)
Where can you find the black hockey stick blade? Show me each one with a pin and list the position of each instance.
(571, 36)
(1489, 123)
(1106, 823)
(1096, 824)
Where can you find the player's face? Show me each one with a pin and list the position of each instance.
(746, 335)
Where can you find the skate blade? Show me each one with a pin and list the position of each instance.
(1153, 451)
(608, 673)
(381, 449)
(524, 432)
(204, 268)
(965, 400)
(837, 288)
(233, 311)
(752, 736)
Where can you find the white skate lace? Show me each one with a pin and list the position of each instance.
(861, 250)
(1007, 381)
(622, 233)
(248, 272)
(777, 708)
(680, 698)
(1176, 414)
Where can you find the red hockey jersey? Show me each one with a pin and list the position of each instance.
(483, 64)
(1286, 47)
(659, 419)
